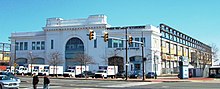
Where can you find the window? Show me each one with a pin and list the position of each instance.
(25, 45)
(16, 45)
(33, 45)
(21, 45)
(167, 36)
(38, 45)
(95, 43)
(171, 37)
(131, 45)
(121, 43)
(42, 45)
(163, 34)
(184, 42)
(136, 44)
(115, 43)
(174, 38)
(137, 66)
(109, 43)
(178, 40)
(51, 44)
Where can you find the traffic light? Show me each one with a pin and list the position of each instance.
(130, 39)
(105, 36)
(92, 35)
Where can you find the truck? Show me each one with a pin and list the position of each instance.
(10, 69)
(36, 68)
(45, 70)
(72, 71)
(55, 70)
(40, 69)
(106, 71)
(22, 70)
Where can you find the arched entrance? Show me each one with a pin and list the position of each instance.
(136, 63)
(21, 61)
(116, 61)
(73, 47)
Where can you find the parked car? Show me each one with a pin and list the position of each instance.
(87, 74)
(212, 75)
(10, 75)
(7, 82)
(121, 75)
(136, 74)
(69, 73)
(150, 75)
(217, 76)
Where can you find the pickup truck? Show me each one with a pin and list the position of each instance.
(69, 73)
(101, 74)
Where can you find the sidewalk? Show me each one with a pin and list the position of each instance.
(175, 79)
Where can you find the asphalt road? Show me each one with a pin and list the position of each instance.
(117, 84)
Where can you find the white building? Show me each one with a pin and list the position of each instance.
(69, 37)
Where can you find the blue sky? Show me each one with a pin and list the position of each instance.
(196, 18)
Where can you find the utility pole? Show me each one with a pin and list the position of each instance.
(143, 59)
(126, 54)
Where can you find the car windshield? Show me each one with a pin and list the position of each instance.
(101, 71)
(4, 78)
(87, 72)
(150, 72)
(8, 74)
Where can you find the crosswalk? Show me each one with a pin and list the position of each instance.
(121, 85)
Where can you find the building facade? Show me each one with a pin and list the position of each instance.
(5, 54)
(69, 38)
(175, 44)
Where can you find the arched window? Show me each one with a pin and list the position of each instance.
(21, 61)
(72, 48)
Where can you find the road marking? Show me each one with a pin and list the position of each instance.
(132, 84)
(41, 87)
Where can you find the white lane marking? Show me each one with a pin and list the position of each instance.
(41, 87)
(132, 84)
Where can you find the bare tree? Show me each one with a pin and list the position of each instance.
(105, 59)
(55, 60)
(31, 60)
(215, 51)
(84, 59)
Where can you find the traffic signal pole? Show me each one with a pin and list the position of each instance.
(92, 35)
(126, 54)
